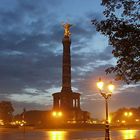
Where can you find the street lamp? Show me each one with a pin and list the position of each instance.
(106, 96)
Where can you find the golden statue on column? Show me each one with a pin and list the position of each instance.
(67, 29)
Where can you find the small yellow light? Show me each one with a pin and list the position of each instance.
(54, 113)
(130, 113)
(100, 84)
(1, 122)
(21, 124)
(59, 114)
(137, 120)
(111, 87)
(118, 120)
(94, 122)
(125, 113)
(123, 121)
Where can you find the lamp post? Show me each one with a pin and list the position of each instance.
(106, 96)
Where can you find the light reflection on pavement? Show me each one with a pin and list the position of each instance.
(34, 134)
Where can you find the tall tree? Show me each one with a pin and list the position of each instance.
(121, 24)
(6, 110)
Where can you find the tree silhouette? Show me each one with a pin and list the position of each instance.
(121, 24)
(6, 111)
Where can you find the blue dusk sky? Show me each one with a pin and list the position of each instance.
(31, 35)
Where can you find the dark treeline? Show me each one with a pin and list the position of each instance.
(126, 116)
(6, 111)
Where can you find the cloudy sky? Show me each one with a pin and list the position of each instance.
(31, 33)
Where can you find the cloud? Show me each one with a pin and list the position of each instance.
(33, 58)
(25, 48)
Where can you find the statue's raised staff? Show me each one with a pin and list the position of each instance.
(67, 29)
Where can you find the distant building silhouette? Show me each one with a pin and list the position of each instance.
(35, 118)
